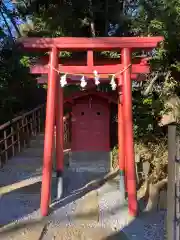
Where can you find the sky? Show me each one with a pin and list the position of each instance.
(9, 5)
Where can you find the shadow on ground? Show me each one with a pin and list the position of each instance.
(24, 201)
(146, 226)
(20, 227)
(19, 203)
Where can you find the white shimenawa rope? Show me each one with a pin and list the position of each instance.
(63, 80)
(96, 78)
(113, 83)
(83, 82)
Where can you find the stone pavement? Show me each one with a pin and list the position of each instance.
(84, 212)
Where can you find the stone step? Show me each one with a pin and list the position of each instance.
(36, 145)
(76, 232)
(90, 161)
(30, 152)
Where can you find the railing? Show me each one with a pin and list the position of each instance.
(17, 133)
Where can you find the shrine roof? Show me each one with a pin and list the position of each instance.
(89, 92)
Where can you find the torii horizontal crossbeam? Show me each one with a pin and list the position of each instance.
(101, 43)
(88, 71)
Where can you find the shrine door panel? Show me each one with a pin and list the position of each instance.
(90, 126)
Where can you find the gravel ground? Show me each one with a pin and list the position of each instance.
(23, 205)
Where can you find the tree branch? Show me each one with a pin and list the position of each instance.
(92, 24)
(150, 86)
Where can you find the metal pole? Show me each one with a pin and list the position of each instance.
(49, 134)
(59, 140)
(128, 124)
(171, 183)
(121, 139)
(177, 187)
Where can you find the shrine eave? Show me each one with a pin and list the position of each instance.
(101, 43)
(87, 92)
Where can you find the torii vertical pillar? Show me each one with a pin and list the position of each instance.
(121, 138)
(128, 125)
(49, 133)
(59, 140)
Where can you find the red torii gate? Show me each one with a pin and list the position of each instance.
(54, 109)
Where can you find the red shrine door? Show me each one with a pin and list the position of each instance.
(90, 124)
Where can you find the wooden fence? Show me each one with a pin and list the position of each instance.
(17, 133)
(173, 191)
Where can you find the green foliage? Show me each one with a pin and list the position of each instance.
(114, 157)
(18, 89)
(92, 18)
(25, 61)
